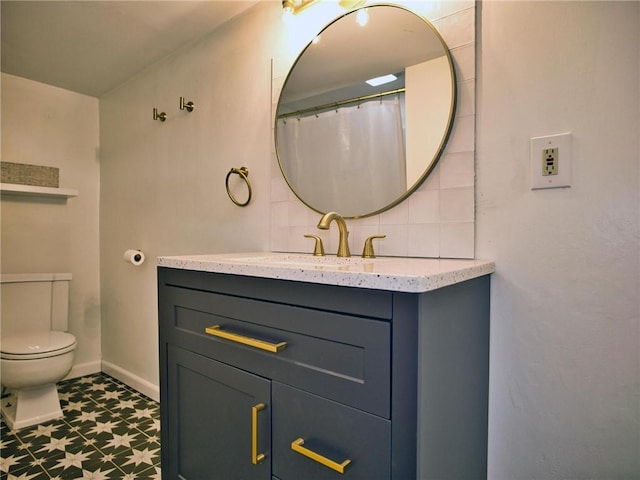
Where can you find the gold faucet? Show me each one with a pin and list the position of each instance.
(318, 250)
(343, 244)
(367, 251)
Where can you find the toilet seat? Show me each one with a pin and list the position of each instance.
(29, 346)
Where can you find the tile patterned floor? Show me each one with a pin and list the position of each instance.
(109, 431)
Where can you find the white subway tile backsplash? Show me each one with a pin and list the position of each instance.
(275, 168)
(456, 204)
(457, 240)
(455, 28)
(289, 239)
(298, 214)
(398, 215)
(457, 170)
(424, 207)
(279, 238)
(432, 182)
(464, 61)
(451, 7)
(396, 241)
(292, 197)
(279, 189)
(424, 240)
(280, 214)
(462, 138)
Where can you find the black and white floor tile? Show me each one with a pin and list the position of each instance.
(109, 431)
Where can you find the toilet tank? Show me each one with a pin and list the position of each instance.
(34, 302)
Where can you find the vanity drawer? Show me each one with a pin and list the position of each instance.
(343, 357)
(314, 437)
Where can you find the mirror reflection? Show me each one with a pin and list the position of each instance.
(354, 143)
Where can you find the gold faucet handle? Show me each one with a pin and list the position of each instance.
(368, 252)
(318, 250)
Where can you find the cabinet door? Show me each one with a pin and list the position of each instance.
(218, 420)
(318, 439)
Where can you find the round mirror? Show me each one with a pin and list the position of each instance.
(365, 111)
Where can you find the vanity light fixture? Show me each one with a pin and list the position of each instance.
(293, 7)
(374, 82)
(351, 4)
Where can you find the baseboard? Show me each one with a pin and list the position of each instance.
(82, 369)
(140, 384)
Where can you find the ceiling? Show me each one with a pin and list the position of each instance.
(91, 47)
(392, 40)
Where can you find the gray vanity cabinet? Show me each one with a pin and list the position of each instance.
(275, 379)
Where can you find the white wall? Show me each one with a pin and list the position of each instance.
(163, 184)
(44, 125)
(565, 338)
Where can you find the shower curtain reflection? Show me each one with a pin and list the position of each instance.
(369, 148)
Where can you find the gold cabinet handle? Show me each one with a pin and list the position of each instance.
(255, 456)
(297, 446)
(217, 331)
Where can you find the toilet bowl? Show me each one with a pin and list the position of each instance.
(34, 354)
(31, 365)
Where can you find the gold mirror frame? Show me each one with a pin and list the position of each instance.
(429, 163)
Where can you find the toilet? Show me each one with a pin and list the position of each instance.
(36, 352)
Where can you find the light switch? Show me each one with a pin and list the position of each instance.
(550, 159)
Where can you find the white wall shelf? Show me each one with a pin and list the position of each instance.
(33, 191)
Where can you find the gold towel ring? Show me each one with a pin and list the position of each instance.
(244, 174)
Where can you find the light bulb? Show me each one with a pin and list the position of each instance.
(362, 17)
(287, 11)
(287, 15)
(374, 82)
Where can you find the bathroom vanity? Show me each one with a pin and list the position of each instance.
(290, 367)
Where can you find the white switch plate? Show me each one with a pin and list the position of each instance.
(540, 177)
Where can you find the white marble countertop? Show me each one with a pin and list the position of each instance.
(399, 274)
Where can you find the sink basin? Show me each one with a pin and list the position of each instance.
(303, 260)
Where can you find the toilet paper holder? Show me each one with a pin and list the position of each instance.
(135, 257)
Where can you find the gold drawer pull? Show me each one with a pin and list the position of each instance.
(216, 331)
(255, 456)
(296, 446)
